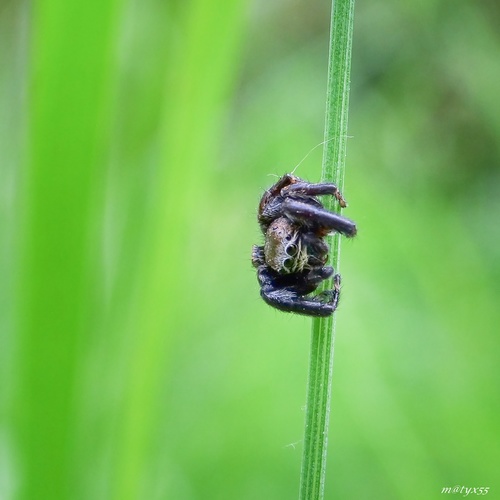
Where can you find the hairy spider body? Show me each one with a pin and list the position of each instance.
(291, 263)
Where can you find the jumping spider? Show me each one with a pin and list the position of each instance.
(291, 263)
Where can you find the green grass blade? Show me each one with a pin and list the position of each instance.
(322, 341)
(68, 104)
(200, 69)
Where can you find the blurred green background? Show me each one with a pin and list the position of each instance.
(137, 360)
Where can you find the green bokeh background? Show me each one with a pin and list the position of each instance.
(137, 360)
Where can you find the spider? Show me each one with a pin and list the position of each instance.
(291, 263)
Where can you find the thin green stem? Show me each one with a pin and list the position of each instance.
(323, 332)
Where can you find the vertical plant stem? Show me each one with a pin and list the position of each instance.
(321, 357)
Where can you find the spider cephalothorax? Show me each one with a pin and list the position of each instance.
(291, 263)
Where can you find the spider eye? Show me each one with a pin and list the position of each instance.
(292, 250)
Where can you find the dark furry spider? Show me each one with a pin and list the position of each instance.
(291, 263)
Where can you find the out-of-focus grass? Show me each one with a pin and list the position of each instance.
(199, 70)
(186, 385)
(69, 82)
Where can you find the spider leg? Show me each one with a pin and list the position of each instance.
(258, 257)
(317, 249)
(289, 299)
(305, 282)
(291, 302)
(316, 276)
(315, 190)
(332, 296)
(304, 213)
